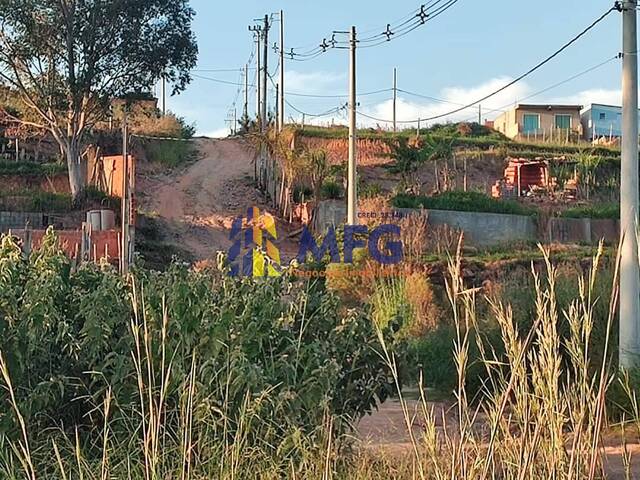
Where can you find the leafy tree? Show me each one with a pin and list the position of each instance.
(408, 158)
(317, 166)
(440, 149)
(67, 59)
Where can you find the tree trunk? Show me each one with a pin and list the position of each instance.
(74, 165)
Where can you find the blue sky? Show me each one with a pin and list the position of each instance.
(468, 51)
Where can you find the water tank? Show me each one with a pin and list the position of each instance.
(107, 220)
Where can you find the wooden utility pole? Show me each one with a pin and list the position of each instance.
(281, 110)
(234, 130)
(395, 97)
(164, 95)
(352, 187)
(245, 109)
(278, 125)
(265, 71)
(257, 31)
(124, 237)
(629, 337)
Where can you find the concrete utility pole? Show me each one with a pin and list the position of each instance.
(124, 232)
(479, 114)
(395, 97)
(265, 71)
(629, 268)
(352, 187)
(281, 111)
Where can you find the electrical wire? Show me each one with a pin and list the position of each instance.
(409, 23)
(511, 83)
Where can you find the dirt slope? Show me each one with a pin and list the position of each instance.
(198, 204)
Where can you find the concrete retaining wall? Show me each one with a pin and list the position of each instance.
(583, 230)
(487, 229)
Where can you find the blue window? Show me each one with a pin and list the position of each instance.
(530, 122)
(563, 122)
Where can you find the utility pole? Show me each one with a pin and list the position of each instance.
(265, 71)
(234, 130)
(256, 29)
(278, 125)
(395, 97)
(479, 114)
(164, 95)
(124, 237)
(245, 109)
(281, 111)
(629, 268)
(352, 202)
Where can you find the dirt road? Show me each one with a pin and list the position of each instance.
(198, 204)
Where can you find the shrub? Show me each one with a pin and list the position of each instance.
(463, 202)
(301, 194)
(250, 362)
(369, 190)
(32, 169)
(607, 210)
(331, 190)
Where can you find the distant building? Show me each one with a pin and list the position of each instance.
(527, 121)
(600, 120)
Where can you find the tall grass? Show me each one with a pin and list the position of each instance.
(535, 417)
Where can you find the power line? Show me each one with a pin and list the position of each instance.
(415, 19)
(513, 82)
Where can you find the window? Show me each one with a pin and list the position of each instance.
(563, 122)
(530, 122)
(602, 116)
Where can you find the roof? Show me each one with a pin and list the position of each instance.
(533, 106)
(601, 105)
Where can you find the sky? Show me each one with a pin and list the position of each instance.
(473, 48)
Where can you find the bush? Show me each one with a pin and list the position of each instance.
(462, 202)
(301, 194)
(230, 360)
(609, 210)
(32, 169)
(369, 190)
(331, 190)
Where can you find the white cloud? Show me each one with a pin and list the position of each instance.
(448, 100)
(594, 95)
(315, 82)
(410, 107)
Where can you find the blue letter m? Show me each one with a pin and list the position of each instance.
(308, 244)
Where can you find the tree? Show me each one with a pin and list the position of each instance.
(317, 167)
(440, 149)
(408, 158)
(67, 59)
